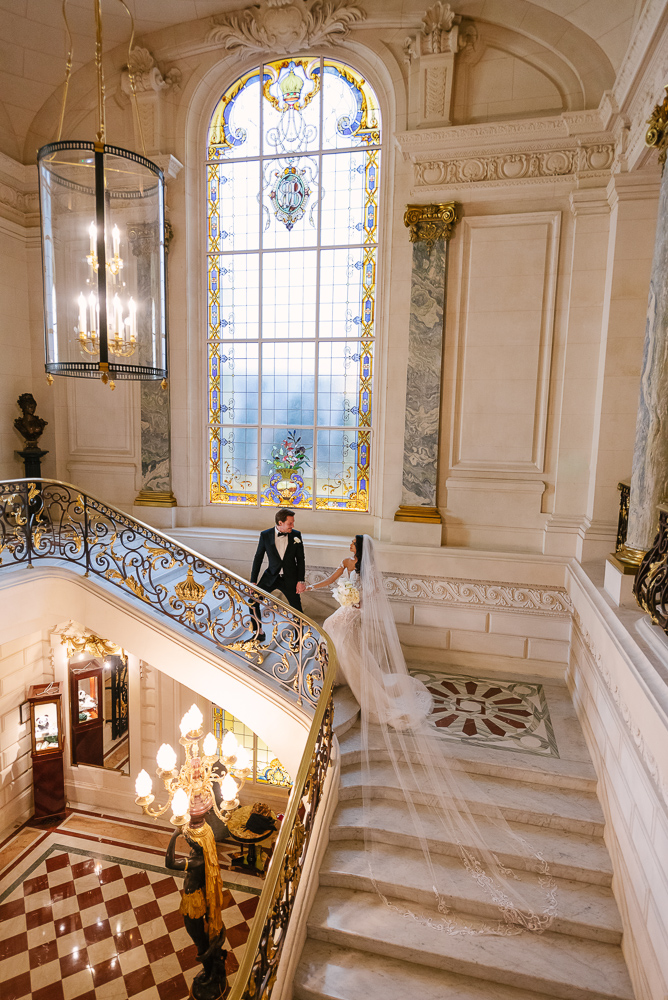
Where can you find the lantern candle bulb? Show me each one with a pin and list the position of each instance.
(210, 745)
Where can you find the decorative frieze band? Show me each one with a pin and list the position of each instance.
(466, 593)
(515, 166)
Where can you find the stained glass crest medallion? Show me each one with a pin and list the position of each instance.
(293, 172)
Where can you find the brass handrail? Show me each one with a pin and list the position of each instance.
(27, 530)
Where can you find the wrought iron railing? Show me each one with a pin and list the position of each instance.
(43, 520)
(624, 488)
(47, 521)
(651, 583)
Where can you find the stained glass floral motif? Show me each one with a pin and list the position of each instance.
(293, 160)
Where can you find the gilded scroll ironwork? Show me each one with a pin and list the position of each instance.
(259, 968)
(651, 582)
(624, 488)
(48, 521)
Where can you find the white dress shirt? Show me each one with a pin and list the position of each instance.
(281, 539)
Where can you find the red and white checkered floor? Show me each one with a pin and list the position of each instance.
(81, 920)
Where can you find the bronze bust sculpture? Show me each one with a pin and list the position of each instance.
(30, 426)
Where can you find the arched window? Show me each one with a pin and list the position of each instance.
(293, 164)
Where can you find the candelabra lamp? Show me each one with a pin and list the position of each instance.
(191, 793)
(102, 218)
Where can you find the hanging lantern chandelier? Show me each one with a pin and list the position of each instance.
(102, 216)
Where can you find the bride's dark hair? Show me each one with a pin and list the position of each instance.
(359, 549)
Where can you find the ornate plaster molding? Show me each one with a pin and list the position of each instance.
(596, 159)
(286, 25)
(466, 593)
(147, 75)
(635, 731)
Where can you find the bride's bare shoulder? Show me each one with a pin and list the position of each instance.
(348, 563)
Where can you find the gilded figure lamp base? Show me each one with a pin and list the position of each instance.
(424, 515)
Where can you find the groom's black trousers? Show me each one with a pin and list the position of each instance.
(269, 582)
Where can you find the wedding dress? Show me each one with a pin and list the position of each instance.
(394, 710)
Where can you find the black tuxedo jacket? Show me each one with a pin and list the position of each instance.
(291, 566)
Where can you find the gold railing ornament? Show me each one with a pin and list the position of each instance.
(657, 133)
(429, 223)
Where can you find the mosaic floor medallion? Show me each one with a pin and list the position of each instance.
(506, 715)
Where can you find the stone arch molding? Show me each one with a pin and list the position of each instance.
(286, 25)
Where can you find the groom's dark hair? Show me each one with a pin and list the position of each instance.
(283, 514)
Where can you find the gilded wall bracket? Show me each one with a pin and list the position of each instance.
(657, 133)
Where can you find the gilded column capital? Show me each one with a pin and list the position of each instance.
(429, 223)
(657, 133)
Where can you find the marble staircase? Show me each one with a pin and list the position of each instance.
(359, 949)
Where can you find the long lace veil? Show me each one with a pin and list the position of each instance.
(418, 768)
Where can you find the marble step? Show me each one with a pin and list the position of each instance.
(346, 710)
(329, 972)
(587, 911)
(520, 802)
(569, 855)
(558, 965)
(555, 772)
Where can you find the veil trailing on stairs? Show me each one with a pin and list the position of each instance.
(449, 813)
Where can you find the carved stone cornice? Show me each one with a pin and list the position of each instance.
(467, 593)
(429, 223)
(19, 199)
(515, 166)
(285, 25)
(146, 74)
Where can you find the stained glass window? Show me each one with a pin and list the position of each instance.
(267, 768)
(293, 164)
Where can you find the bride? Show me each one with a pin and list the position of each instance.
(438, 793)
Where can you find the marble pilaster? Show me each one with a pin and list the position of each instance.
(649, 478)
(431, 227)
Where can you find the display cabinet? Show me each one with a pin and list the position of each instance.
(46, 720)
(86, 712)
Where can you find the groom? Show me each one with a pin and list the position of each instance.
(286, 570)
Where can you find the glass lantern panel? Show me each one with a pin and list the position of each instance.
(46, 726)
(135, 250)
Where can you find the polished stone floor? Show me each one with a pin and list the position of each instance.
(88, 910)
